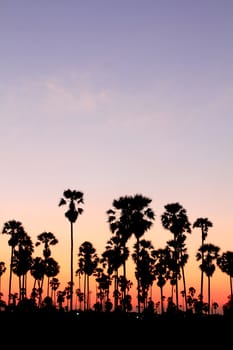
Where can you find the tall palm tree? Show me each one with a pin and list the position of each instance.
(175, 220)
(74, 199)
(203, 224)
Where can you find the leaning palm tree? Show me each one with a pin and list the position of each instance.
(203, 224)
(74, 199)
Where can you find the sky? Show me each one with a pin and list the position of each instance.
(115, 98)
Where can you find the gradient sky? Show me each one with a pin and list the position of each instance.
(116, 98)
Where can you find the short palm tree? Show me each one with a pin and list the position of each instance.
(74, 199)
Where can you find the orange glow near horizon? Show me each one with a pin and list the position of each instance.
(220, 288)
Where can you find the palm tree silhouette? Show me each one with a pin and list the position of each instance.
(145, 268)
(22, 262)
(176, 220)
(134, 217)
(54, 283)
(74, 199)
(203, 224)
(2, 271)
(38, 271)
(88, 261)
(119, 219)
(141, 220)
(47, 239)
(114, 257)
(161, 270)
(225, 263)
(52, 269)
(15, 229)
(208, 253)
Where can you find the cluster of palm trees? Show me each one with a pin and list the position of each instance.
(129, 216)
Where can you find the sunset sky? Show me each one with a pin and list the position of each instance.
(115, 98)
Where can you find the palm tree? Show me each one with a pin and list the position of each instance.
(203, 224)
(52, 269)
(2, 271)
(74, 199)
(208, 253)
(161, 270)
(88, 261)
(38, 271)
(54, 283)
(175, 219)
(47, 239)
(137, 219)
(119, 219)
(225, 263)
(145, 268)
(15, 229)
(22, 262)
(114, 257)
(130, 215)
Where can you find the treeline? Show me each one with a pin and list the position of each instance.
(129, 216)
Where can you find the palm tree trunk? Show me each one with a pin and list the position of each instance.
(10, 278)
(138, 280)
(71, 266)
(184, 284)
(208, 295)
(161, 298)
(202, 273)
